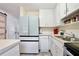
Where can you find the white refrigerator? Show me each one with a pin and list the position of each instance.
(29, 32)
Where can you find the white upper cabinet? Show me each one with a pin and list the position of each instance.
(60, 12)
(72, 7)
(46, 17)
(57, 17)
(64, 9)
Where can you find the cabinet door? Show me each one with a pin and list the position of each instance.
(62, 10)
(53, 51)
(46, 17)
(24, 25)
(57, 15)
(44, 46)
(58, 51)
(57, 48)
(60, 13)
(72, 7)
(42, 18)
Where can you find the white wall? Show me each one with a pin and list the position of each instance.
(70, 31)
(11, 25)
(28, 12)
(73, 28)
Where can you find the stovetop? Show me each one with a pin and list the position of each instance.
(73, 48)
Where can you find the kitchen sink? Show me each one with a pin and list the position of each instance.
(67, 38)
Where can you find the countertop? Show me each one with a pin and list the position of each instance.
(44, 34)
(64, 41)
(6, 44)
(59, 39)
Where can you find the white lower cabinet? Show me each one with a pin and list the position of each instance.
(56, 48)
(44, 43)
(14, 51)
(57, 51)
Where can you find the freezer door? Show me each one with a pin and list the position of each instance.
(33, 25)
(24, 25)
(29, 47)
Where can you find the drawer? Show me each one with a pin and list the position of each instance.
(29, 47)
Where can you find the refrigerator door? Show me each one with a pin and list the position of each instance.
(33, 25)
(24, 25)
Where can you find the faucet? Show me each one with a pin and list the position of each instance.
(73, 35)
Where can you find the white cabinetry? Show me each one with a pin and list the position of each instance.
(14, 51)
(44, 43)
(62, 10)
(56, 48)
(46, 17)
(57, 10)
(72, 7)
(60, 13)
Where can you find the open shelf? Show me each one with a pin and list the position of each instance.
(74, 25)
(76, 12)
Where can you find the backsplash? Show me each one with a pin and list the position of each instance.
(46, 30)
(70, 31)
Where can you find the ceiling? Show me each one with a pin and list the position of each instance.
(14, 8)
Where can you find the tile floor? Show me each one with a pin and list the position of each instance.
(39, 54)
